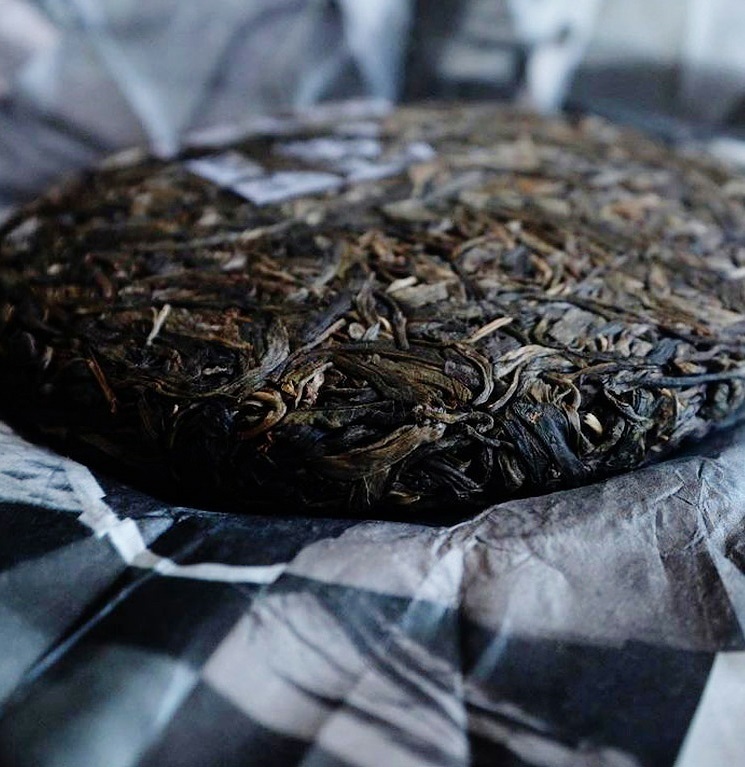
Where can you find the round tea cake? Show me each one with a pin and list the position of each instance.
(441, 307)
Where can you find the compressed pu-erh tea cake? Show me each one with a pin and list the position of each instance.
(441, 307)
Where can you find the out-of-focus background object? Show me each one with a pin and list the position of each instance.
(24, 31)
(667, 65)
(84, 77)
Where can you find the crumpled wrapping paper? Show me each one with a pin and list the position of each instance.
(598, 626)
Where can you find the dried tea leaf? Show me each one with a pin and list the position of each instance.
(462, 305)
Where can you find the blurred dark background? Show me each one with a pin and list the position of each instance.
(80, 78)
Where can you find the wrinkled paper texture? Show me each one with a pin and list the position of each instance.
(598, 626)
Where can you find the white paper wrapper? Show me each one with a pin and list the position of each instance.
(598, 626)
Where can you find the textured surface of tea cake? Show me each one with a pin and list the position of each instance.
(444, 307)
